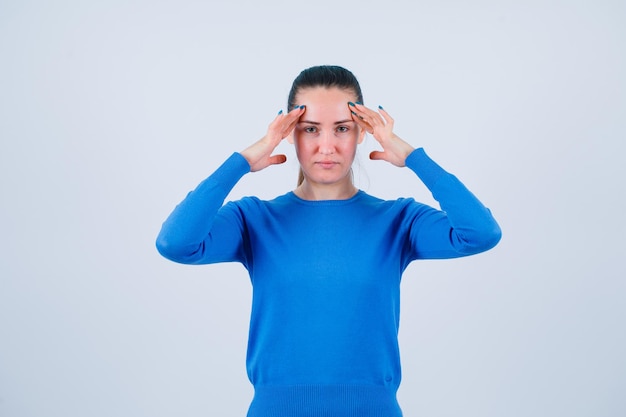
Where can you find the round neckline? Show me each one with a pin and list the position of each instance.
(300, 200)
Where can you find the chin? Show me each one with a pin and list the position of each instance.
(328, 180)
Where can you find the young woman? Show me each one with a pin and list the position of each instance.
(325, 260)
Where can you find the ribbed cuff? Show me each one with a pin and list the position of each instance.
(231, 171)
(425, 168)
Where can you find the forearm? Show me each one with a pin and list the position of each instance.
(188, 225)
(473, 228)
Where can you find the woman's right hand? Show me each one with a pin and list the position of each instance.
(259, 155)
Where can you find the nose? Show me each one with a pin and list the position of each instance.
(327, 144)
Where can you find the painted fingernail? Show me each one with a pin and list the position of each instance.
(380, 107)
(358, 102)
(303, 106)
(351, 103)
(353, 113)
(280, 112)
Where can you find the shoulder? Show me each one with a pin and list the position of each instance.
(398, 205)
(252, 203)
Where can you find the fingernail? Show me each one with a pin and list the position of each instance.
(353, 113)
(351, 103)
(303, 106)
(358, 102)
(280, 112)
(380, 107)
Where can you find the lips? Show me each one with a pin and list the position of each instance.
(326, 164)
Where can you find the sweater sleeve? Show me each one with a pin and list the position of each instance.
(463, 226)
(201, 229)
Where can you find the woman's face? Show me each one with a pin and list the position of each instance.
(326, 137)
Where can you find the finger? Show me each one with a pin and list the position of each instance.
(288, 128)
(364, 109)
(385, 115)
(294, 115)
(357, 114)
(359, 109)
(369, 115)
(277, 159)
(377, 156)
(277, 119)
(283, 123)
(359, 121)
(297, 109)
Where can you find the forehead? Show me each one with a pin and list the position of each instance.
(325, 103)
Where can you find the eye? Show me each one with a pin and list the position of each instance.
(310, 129)
(342, 129)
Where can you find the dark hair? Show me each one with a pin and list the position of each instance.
(324, 76)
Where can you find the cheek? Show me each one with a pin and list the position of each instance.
(302, 145)
(350, 142)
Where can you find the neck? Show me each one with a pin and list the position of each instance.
(311, 191)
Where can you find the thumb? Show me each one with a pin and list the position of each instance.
(377, 156)
(278, 159)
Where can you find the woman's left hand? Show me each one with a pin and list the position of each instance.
(380, 125)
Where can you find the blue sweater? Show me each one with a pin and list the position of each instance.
(323, 337)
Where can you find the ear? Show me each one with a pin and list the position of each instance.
(361, 135)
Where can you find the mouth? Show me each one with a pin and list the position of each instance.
(327, 164)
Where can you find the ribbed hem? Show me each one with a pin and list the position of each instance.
(324, 401)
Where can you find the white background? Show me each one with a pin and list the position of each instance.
(111, 111)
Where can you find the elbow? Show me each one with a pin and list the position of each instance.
(168, 249)
(479, 241)
(488, 238)
(164, 247)
(179, 252)
(492, 237)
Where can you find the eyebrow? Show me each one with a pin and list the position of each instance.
(318, 123)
